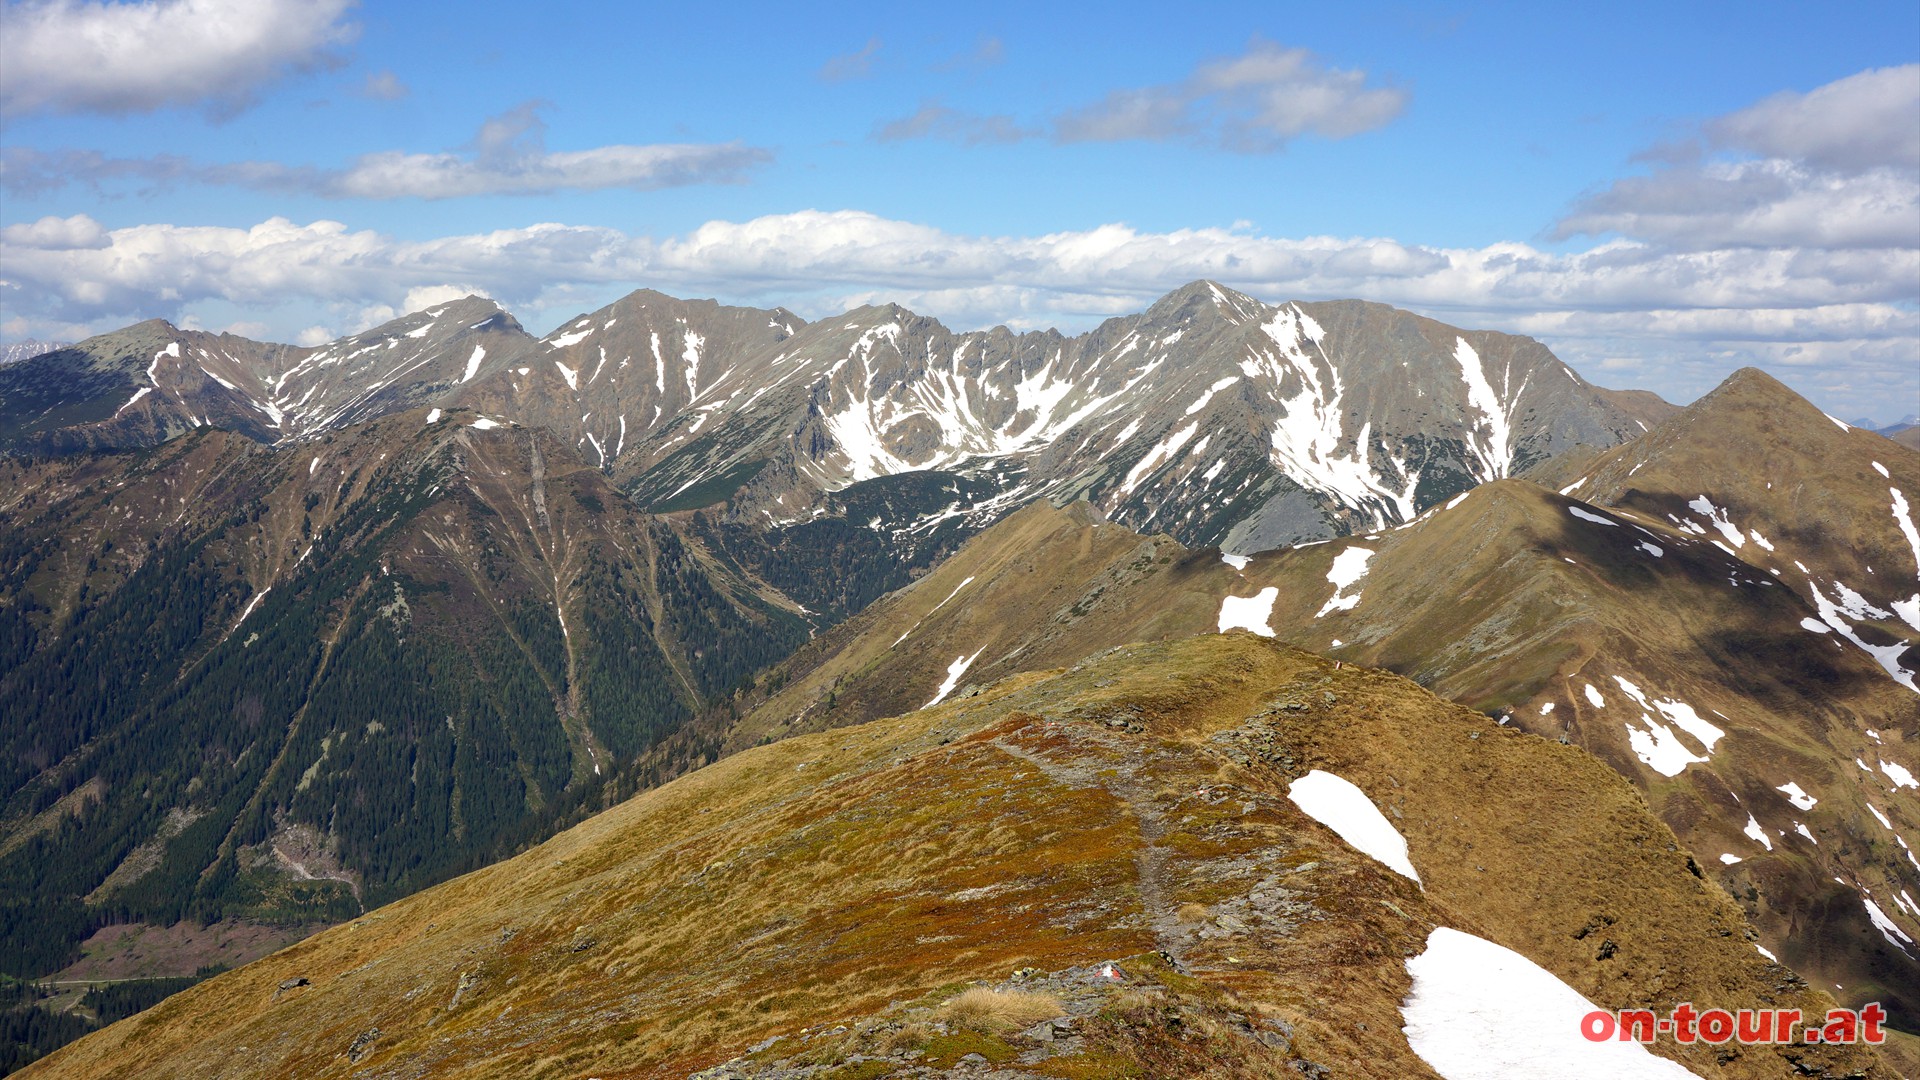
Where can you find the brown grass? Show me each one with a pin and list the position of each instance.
(997, 1012)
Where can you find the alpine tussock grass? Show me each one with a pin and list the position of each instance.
(996, 1012)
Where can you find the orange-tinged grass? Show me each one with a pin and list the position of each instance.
(814, 881)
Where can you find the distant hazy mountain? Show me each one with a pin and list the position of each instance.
(21, 350)
(1213, 416)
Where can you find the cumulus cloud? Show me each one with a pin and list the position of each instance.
(507, 157)
(1857, 123)
(854, 65)
(1677, 320)
(68, 56)
(1256, 102)
(1831, 168)
(76, 268)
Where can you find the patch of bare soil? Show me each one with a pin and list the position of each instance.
(142, 951)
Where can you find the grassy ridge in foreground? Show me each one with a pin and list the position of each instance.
(1131, 805)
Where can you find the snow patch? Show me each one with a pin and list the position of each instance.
(567, 373)
(1898, 774)
(1480, 1011)
(1887, 927)
(1595, 518)
(1340, 805)
(954, 671)
(473, 362)
(1593, 695)
(1238, 562)
(1797, 797)
(1660, 748)
(1720, 521)
(1758, 834)
(574, 338)
(433, 417)
(1348, 568)
(1249, 612)
(486, 423)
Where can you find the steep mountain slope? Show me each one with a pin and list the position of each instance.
(283, 684)
(610, 379)
(1782, 760)
(1140, 808)
(1212, 416)
(15, 351)
(1756, 470)
(138, 387)
(153, 381)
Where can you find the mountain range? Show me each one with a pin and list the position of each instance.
(292, 633)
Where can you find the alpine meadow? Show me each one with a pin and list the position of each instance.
(600, 542)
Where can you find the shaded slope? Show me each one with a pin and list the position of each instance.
(152, 381)
(283, 684)
(1020, 827)
(1759, 471)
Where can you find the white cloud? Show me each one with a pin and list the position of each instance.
(1861, 122)
(395, 175)
(1766, 203)
(1831, 168)
(68, 56)
(507, 157)
(1258, 101)
(72, 269)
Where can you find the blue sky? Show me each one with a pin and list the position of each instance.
(1661, 193)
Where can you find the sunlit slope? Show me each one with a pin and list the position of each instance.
(1829, 509)
(1694, 674)
(1134, 804)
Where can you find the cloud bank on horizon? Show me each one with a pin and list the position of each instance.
(1782, 231)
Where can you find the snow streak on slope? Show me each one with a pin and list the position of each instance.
(1048, 401)
(954, 671)
(1308, 438)
(1495, 450)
